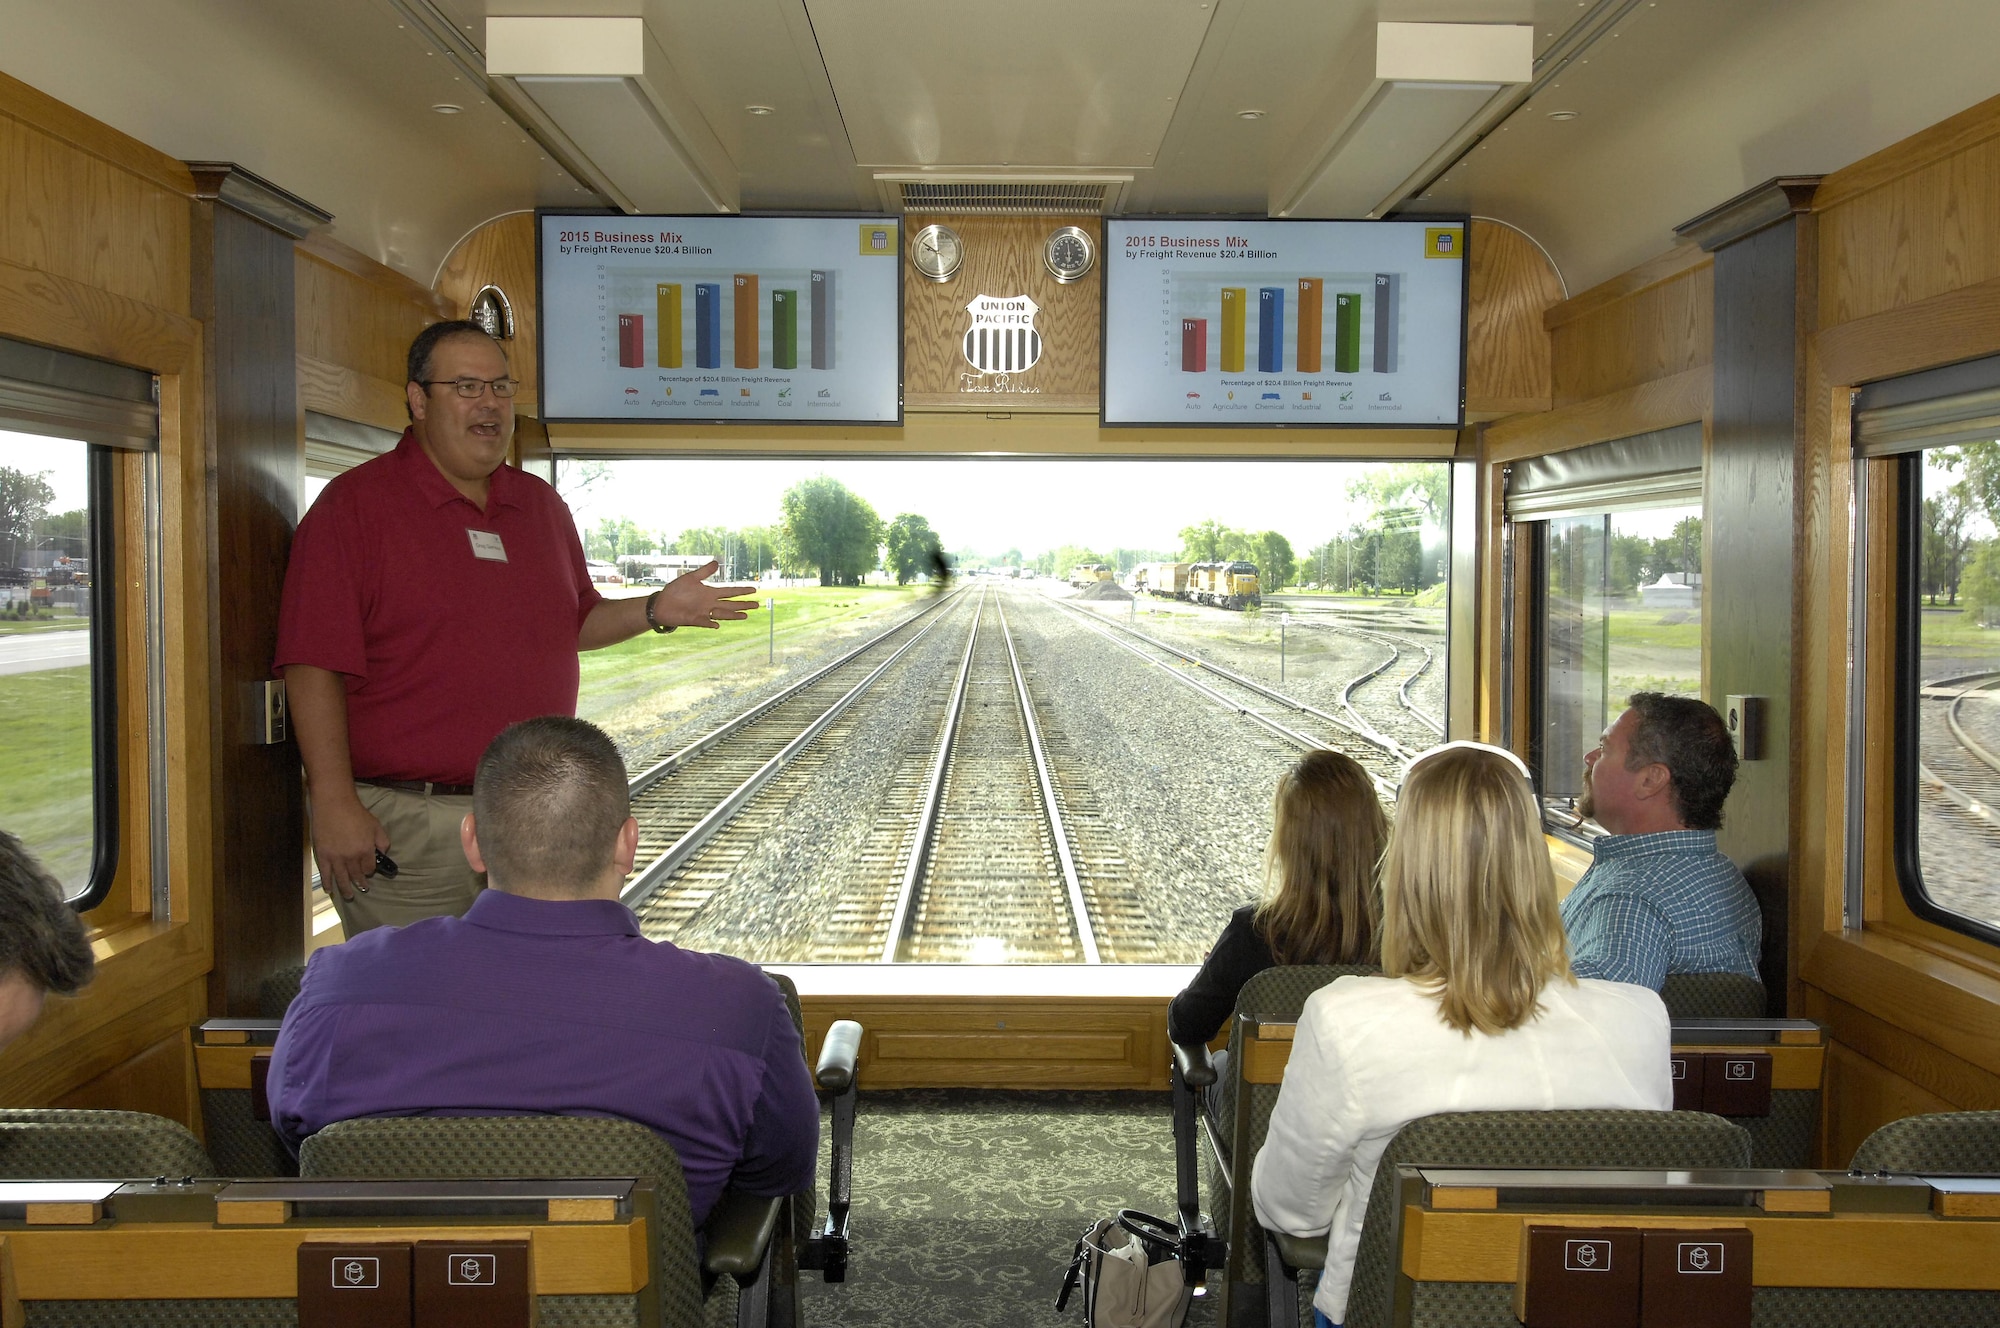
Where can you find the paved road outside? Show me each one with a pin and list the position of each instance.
(31, 652)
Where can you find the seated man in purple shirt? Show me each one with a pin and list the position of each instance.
(544, 997)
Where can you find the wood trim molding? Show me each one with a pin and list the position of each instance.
(1750, 211)
(945, 433)
(1681, 398)
(333, 389)
(42, 307)
(65, 123)
(1958, 325)
(1945, 139)
(1675, 262)
(251, 194)
(321, 245)
(1949, 1004)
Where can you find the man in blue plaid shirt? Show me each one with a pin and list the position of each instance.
(1660, 898)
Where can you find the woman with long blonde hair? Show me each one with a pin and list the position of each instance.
(1476, 1010)
(1320, 903)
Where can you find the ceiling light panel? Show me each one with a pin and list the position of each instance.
(1047, 83)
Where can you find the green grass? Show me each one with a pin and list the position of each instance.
(11, 627)
(635, 682)
(1643, 628)
(45, 792)
(1951, 632)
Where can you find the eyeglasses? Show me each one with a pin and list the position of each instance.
(476, 387)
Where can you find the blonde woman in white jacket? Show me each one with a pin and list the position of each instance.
(1477, 1009)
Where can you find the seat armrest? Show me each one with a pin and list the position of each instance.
(1300, 1251)
(739, 1233)
(1197, 1068)
(837, 1056)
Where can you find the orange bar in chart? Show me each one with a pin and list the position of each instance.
(1310, 295)
(1232, 328)
(746, 320)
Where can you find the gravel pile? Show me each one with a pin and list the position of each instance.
(1110, 590)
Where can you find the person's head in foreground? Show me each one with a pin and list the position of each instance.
(551, 814)
(42, 945)
(1468, 895)
(1321, 904)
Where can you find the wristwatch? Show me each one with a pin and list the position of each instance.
(655, 623)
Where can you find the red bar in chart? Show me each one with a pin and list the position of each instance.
(1194, 345)
(631, 341)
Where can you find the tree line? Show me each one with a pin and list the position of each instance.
(823, 527)
(27, 525)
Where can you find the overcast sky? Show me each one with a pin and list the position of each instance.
(992, 504)
(57, 460)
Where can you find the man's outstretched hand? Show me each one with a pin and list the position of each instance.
(689, 601)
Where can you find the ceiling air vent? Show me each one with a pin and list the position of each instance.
(1008, 196)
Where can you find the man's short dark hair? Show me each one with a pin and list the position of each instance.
(1687, 737)
(417, 363)
(547, 803)
(40, 935)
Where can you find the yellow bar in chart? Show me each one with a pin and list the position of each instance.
(1232, 328)
(670, 325)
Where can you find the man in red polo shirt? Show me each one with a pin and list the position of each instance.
(436, 595)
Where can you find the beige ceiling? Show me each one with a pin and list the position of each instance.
(1681, 105)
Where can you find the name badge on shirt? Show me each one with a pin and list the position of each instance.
(487, 545)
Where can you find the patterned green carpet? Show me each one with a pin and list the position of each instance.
(967, 1203)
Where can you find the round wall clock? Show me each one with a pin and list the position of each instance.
(1069, 253)
(936, 251)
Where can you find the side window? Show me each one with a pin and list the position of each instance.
(50, 659)
(1948, 850)
(1613, 581)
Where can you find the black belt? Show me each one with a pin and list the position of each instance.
(420, 786)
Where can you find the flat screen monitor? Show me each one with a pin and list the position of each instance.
(1267, 324)
(723, 320)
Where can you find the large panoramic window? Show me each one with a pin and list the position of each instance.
(1001, 711)
(1615, 535)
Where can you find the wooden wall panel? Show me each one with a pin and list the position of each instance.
(1000, 1041)
(1907, 278)
(159, 1079)
(1665, 327)
(1510, 290)
(95, 258)
(244, 274)
(1003, 256)
(355, 319)
(500, 253)
(1913, 221)
(84, 202)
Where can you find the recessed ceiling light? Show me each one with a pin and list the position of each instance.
(1249, 115)
(1562, 115)
(760, 110)
(446, 108)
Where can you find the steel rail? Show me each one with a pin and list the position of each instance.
(1086, 937)
(1951, 792)
(1397, 644)
(1304, 741)
(661, 769)
(901, 916)
(1359, 728)
(685, 847)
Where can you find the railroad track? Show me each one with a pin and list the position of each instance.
(990, 875)
(1398, 647)
(968, 858)
(684, 800)
(1382, 754)
(1967, 776)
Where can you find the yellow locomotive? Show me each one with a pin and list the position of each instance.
(1225, 585)
(1085, 575)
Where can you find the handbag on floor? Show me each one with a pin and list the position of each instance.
(1130, 1270)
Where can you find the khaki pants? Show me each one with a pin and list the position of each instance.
(432, 879)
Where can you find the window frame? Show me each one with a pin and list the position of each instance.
(1905, 472)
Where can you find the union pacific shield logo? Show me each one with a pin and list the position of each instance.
(1002, 337)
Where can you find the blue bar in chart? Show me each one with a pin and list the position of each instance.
(708, 325)
(1270, 329)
